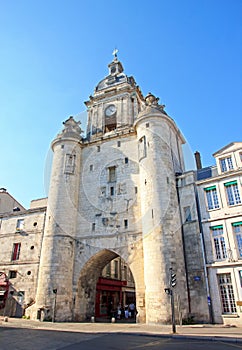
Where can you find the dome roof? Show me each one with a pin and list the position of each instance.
(115, 77)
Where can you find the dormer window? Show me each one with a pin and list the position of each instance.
(226, 164)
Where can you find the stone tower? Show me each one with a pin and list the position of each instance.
(159, 145)
(114, 194)
(57, 256)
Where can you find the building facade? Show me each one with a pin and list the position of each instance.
(121, 193)
(220, 202)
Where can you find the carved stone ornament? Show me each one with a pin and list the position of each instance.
(71, 128)
(151, 100)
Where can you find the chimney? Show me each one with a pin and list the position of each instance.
(198, 160)
(3, 189)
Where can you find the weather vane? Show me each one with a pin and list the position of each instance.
(115, 51)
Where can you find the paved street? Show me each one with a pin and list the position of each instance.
(20, 334)
(29, 339)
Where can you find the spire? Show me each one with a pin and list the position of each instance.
(115, 51)
(115, 67)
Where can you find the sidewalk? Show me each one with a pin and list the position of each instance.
(208, 332)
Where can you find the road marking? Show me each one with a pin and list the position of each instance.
(150, 344)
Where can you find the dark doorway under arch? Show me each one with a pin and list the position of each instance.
(115, 291)
(86, 297)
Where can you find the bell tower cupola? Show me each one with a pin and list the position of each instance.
(115, 103)
(115, 67)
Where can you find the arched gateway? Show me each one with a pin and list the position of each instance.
(114, 193)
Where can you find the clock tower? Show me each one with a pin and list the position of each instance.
(115, 103)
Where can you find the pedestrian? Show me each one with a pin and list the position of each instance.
(132, 309)
(126, 311)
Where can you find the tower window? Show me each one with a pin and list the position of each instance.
(93, 226)
(70, 163)
(142, 148)
(126, 160)
(111, 191)
(136, 190)
(119, 143)
(91, 167)
(98, 148)
(126, 223)
(112, 174)
(147, 125)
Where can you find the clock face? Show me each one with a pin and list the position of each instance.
(110, 110)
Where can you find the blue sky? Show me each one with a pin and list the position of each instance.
(53, 54)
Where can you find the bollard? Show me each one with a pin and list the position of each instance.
(92, 319)
(113, 319)
(5, 319)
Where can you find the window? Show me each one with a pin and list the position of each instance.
(116, 264)
(112, 174)
(233, 195)
(212, 197)
(91, 167)
(237, 229)
(93, 226)
(226, 164)
(126, 160)
(240, 277)
(98, 148)
(70, 163)
(108, 270)
(219, 242)
(126, 223)
(187, 214)
(112, 191)
(105, 221)
(125, 275)
(136, 190)
(142, 148)
(12, 274)
(20, 225)
(226, 294)
(103, 191)
(16, 251)
(119, 143)
(147, 125)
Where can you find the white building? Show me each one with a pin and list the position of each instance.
(220, 198)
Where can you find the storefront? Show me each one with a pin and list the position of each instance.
(109, 295)
(4, 288)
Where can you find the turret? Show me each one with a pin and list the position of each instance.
(58, 248)
(160, 158)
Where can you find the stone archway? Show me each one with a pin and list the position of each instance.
(85, 302)
(86, 289)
